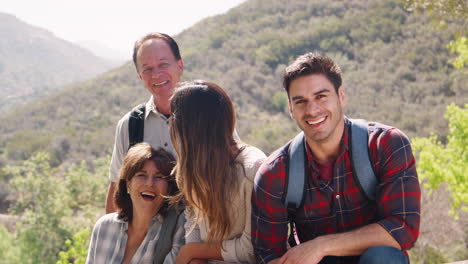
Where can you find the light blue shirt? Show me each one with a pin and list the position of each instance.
(109, 239)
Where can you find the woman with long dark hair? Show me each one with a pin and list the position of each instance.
(145, 229)
(214, 173)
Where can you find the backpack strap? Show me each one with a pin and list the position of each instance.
(296, 183)
(360, 158)
(296, 173)
(136, 125)
(164, 244)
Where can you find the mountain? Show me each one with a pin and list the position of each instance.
(34, 62)
(107, 53)
(395, 68)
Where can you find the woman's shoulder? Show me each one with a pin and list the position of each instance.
(109, 219)
(254, 151)
(251, 158)
(251, 155)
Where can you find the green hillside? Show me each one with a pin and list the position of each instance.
(394, 64)
(395, 68)
(34, 62)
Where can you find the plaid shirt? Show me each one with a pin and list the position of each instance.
(109, 240)
(339, 205)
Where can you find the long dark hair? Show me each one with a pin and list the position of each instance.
(202, 126)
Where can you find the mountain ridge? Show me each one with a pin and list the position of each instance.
(394, 67)
(34, 62)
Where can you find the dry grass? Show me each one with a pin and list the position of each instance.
(9, 222)
(441, 235)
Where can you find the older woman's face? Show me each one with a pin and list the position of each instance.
(146, 188)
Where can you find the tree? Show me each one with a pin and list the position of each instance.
(460, 46)
(442, 10)
(42, 202)
(448, 163)
(52, 205)
(77, 249)
(9, 251)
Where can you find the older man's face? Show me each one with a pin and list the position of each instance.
(159, 69)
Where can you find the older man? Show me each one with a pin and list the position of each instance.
(159, 65)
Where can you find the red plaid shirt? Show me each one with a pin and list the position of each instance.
(339, 205)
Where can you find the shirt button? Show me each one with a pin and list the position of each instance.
(337, 196)
(165, 144)
(167, 122)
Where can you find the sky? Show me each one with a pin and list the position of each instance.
(115, 24)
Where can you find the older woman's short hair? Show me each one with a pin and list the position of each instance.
(134, 161)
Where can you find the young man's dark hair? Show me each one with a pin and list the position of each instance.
(312, 63)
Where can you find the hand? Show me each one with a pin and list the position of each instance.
(305, 253)
(184, 256)
(199, 251)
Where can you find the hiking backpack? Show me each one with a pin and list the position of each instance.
(136, 125)
(360, 160)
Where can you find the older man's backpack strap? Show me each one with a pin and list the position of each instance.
(136, 125)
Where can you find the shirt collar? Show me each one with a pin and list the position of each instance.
(151, 108)
(117, 219)
(158, 217)
(343, 144)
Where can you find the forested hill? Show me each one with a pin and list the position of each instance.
(34, 62)
(395, 67)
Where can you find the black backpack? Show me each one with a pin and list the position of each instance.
(136, 125)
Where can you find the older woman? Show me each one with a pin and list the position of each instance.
(215, 175)
(138, 232)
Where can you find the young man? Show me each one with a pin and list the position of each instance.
(159, 65)
(336, 222)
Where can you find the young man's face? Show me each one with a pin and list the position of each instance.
(317, 108)
(159, 69)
